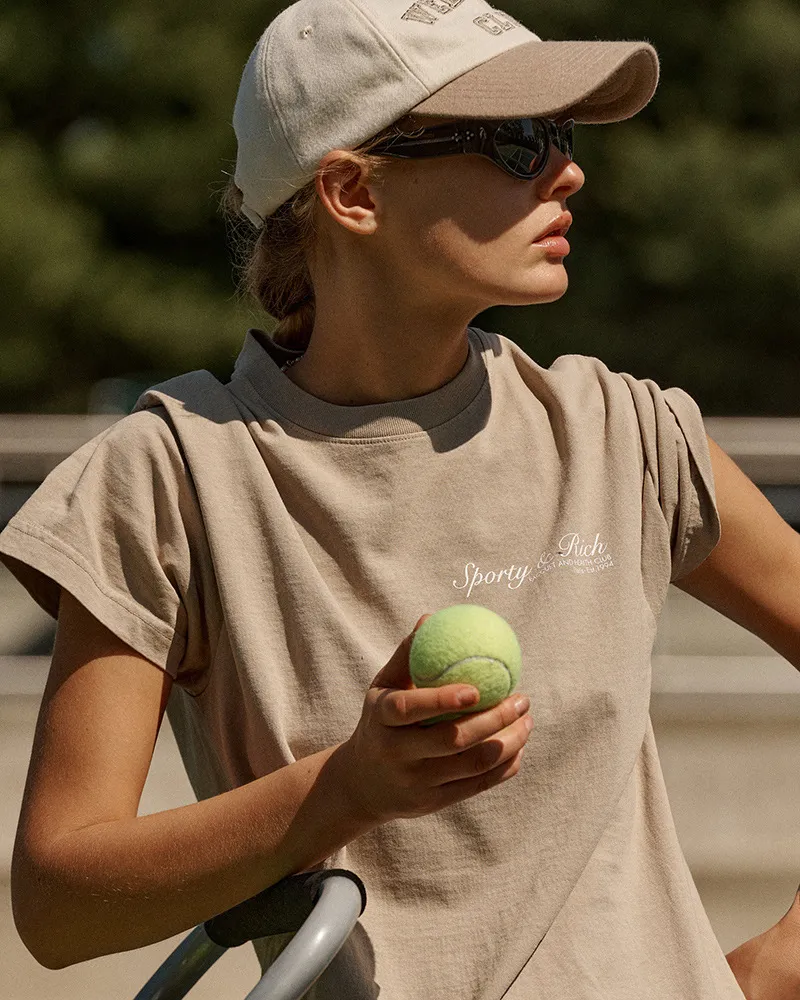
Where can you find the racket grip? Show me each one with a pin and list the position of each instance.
(279, 909)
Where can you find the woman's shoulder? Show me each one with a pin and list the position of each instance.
(137, 440)
(571, 376)
(500, 344)
(155, 425)
(584, 390)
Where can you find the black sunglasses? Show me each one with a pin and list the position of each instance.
(521, 146)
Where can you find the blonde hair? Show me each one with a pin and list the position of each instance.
(272, 263)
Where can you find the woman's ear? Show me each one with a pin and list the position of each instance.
(347, 191)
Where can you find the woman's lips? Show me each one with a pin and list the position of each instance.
(553, 239)
(556, 246)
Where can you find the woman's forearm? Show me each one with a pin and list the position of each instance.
(128, 883)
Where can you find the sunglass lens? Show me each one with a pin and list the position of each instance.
(564, 140)
(522, 144)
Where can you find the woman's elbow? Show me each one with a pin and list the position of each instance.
(34, 913)
(40, 941)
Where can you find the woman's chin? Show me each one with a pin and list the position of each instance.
(551, 286)
(547, 285)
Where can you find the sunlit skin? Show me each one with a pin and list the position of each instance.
(403, 265)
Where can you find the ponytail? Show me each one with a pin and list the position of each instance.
(272, 262)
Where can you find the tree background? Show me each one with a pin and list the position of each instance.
(115, 132)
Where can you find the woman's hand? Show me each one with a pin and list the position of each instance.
(767, 967)
(396, 768)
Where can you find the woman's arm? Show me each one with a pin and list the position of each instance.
(88, 876)
(752, 576)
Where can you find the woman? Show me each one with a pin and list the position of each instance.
(245, 555)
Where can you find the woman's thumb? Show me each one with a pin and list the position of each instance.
(395, 674)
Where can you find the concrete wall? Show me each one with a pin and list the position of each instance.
(725, 710)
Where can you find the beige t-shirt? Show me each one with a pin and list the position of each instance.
(270, 550)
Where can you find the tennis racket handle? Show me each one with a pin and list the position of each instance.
(279, 909)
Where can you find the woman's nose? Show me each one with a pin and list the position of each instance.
(561, 174)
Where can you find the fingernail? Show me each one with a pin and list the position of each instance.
(522, 705)
(468, 697)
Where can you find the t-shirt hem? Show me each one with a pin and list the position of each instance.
(46, 554)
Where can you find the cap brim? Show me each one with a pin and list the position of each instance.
(590, 81)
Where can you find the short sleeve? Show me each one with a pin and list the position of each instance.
(677, 466)
(111, 524)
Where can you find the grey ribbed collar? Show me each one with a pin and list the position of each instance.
(258, 381)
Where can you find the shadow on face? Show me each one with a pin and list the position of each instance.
(460, 226)
(474, 194)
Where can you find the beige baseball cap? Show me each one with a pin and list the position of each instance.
(330, 74)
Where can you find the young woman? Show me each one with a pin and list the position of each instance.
(248, 555)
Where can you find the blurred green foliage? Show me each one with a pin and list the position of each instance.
(115, 134)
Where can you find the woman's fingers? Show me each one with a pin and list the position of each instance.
(403, 707)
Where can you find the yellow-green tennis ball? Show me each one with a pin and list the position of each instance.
(466, 644)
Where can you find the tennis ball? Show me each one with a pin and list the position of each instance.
(466, 644)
